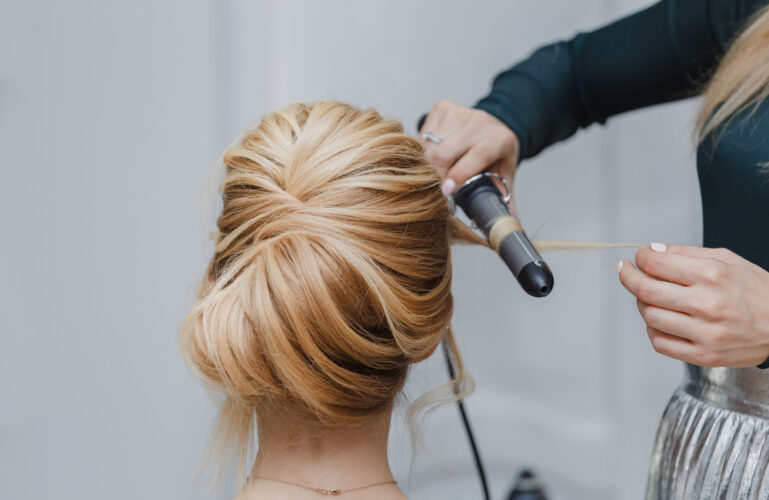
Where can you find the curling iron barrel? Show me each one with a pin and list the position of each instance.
(480, 199)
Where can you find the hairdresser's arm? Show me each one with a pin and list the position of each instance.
(704, 306)
(657, 55)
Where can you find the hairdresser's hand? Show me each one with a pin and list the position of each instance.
(705, 306)
(471, 141)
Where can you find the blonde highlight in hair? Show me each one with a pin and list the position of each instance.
(742, 77)
(331, 272)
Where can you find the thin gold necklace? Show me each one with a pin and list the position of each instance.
(324, 491)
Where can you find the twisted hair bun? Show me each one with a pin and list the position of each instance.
(331, 271)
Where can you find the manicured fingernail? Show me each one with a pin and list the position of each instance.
(448, 187)
(658, 247)
(619, 265)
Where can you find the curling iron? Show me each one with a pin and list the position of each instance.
(480, 199)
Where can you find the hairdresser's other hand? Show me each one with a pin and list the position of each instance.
(472, 141)
(705, 306)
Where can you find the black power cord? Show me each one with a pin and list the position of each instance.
(460, 405)
(468, 429)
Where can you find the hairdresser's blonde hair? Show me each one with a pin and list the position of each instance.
(742, 77)
(331, 273)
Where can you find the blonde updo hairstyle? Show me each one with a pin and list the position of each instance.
(331, 273)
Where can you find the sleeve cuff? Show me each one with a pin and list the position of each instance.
(489, 105)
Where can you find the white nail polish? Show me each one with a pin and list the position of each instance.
(658, 247)
(619, 265)
(448, 187)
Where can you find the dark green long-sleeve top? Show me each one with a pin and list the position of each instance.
(661, 54)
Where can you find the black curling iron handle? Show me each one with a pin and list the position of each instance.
(421, 122)
(482, 202)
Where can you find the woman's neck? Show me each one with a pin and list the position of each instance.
(320, 458)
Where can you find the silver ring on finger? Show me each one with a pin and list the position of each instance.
(429, 136)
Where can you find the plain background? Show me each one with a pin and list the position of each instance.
(112, 117)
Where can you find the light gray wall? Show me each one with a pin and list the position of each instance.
(107, 137)
(112, 115)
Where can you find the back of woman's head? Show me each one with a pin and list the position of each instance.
(331, 272)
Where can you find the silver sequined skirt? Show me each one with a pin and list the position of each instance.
(713, 440)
